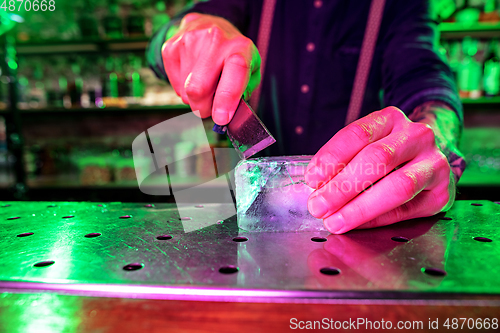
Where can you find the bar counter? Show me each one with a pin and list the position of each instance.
(123, 267)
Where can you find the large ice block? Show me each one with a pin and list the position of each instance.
(271, 195)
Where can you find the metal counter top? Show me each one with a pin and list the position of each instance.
(123, 250)
(212, 263)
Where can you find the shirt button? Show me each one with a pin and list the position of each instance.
(299, 130)
(318, 3)
(310, 47)
(304, 88)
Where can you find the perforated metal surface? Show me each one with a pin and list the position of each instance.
(91, 246)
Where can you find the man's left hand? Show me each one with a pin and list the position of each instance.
(379, 170)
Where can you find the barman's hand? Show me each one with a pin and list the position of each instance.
(385, 168)
(211, 65)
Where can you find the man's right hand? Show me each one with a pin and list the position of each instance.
(211, 65)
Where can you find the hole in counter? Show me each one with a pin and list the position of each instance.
(44, 263)
(476, 204)
(319, 239)
(68, 217)
(93, 235)
(330, 271)
(133, 266)
(25, 234)
(51, 206)
(14, 218)
(230, 269)
(433, 271)
(125, 216)
(483, 239)
(164, 237)
(240, 239)
(400, 239)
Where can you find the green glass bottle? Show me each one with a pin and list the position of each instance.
(491, 78)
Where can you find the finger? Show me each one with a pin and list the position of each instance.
(392, 191)
(201, 83)
(233, 82)
(171, 63)
(348, 142)
(426, 203)
(371, 164)
(187, 63)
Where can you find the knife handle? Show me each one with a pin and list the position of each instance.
(220, 129)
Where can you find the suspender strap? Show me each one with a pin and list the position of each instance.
(365, 60)
(266, 22)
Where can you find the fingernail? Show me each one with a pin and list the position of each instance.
(317, 205)
(220, 117)
(335, 223)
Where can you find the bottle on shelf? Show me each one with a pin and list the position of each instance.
(133, 77)
(113, 23)
(491, 78)
(4, 91)
(161, 17)
(92, 88)
(490, 12)
(75, 86)
(470, 70)
(37, 94)
(111, 79)
(135, 23)
(89, 27)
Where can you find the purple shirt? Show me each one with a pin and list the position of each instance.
(312, 58)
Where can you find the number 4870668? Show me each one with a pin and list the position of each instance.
(28, 5)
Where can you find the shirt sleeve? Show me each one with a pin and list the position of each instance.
(235, 11)
(412, 70)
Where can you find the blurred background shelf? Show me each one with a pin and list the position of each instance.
(131, 110)
(82, 46)
(455, 30)
(483, 100)
(470, 105)
(483, 104)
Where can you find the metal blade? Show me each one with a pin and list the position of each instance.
(247, 132)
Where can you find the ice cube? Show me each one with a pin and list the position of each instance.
(271, 195)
